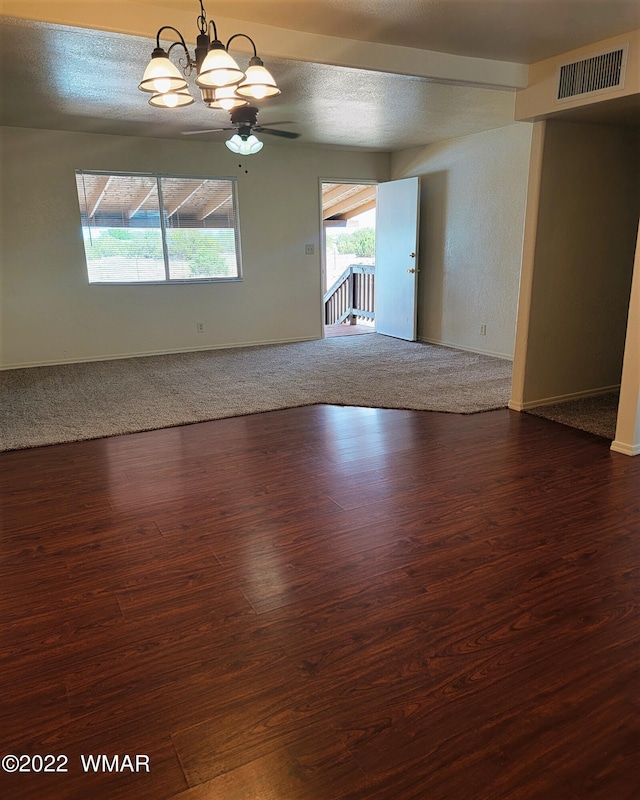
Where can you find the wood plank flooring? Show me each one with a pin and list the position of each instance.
(347, 330)
(324, 603)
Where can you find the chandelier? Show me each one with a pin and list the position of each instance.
(221, 81)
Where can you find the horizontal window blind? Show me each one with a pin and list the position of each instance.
(151, 228)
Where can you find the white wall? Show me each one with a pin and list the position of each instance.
(50, 314)
(472, 218)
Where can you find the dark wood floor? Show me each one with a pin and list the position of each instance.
(325, 604)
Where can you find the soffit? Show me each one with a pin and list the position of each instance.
(523, 31)
(619, 111)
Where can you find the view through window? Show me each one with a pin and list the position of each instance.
(157, 229)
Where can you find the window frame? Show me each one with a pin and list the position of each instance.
(168, 280)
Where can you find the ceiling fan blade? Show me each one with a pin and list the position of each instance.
(210, 130)
(274, 132)
(279, 122)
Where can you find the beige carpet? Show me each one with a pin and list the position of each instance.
(70, 402)
(596, 414)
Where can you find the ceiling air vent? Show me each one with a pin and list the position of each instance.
(598, 73)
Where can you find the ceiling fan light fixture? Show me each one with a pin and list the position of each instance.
(171, 99)
(244, 146)
(259, 83)
(255, 145)
(161, 75)
(218, 68)
(234, 143)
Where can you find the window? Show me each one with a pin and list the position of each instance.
(158, 229)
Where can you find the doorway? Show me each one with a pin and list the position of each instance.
(570, 352)
(348, 257)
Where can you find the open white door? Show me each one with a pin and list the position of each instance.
(397, 219)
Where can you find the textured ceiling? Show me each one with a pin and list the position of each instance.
(72, 78)
(94, 88)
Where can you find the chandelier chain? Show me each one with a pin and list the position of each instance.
(202, 19)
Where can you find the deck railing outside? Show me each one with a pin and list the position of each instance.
(351, 298)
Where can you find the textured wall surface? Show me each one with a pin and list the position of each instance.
(472, 217)
(50, 314)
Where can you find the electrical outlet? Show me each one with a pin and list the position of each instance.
(309, 249)
(483, 330)
(200, 327)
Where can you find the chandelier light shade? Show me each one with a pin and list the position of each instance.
(222, 82)
(224, 97)
(161, 75)
(171, 99)
(258, 83)
(218, 69)
(245, 146)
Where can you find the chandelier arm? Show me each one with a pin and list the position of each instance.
(215, 67)
(215, 30)
(244, 35)
(189, 65)
(175, 30)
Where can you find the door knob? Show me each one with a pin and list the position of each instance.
(412, 255)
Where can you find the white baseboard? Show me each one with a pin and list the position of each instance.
(625, 449)
(118, 356)
(561, 398)
(466, 349)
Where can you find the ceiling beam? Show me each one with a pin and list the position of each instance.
(98, 197)
(177, 205)
(140, 200)
(354, 212)
(212, 207)
(144, 19)
(359, 198)
(336, 193)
